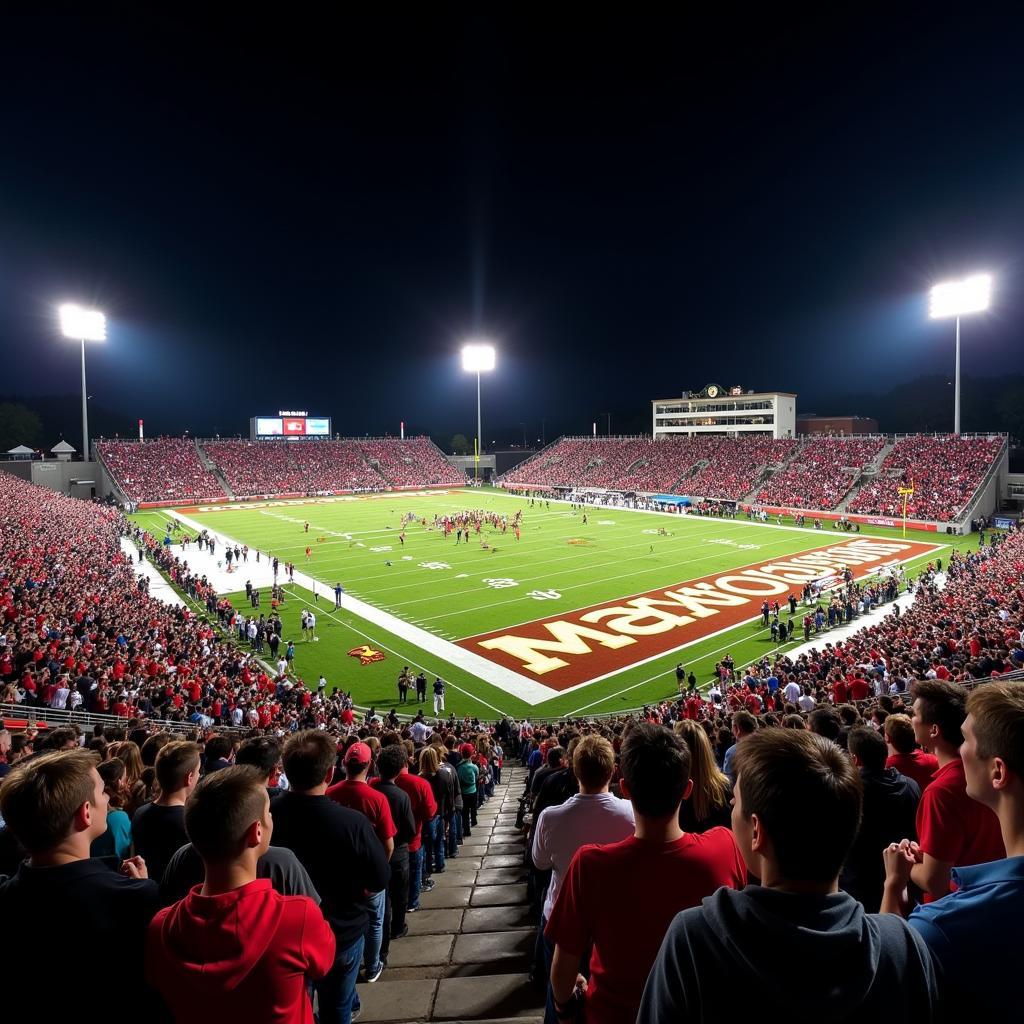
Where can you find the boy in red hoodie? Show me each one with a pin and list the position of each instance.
(234, 949)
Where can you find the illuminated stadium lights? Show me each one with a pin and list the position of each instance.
(83, 325)
(478, 357)
(955, 299)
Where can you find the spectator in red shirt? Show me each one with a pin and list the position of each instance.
(424, 807)
(621, 898)
(234, 946)
(354, 792)
(953, 830)
(904, 753)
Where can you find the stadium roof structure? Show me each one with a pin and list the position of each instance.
(63, 448)
(21, 449)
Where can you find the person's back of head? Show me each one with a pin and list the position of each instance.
(793, 721)
(593, 762)
(797, 804)
(308, 759)
(555, 756)
(218, 748)
(655, 770)
(899, 731)
(744, 723)
(848, 715)
(390, 761)
(60, 739)
(710, 784)
(993, 748)
(228, 814)
(45, 799)
(825, 722)
(175, 763)
(869, 748)
(940, 707)
(429, 761)
(260, 752)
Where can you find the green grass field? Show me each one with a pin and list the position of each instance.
(457, 591)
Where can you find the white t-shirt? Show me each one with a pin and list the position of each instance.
(806, 702)
(561, 831)
(792, 692)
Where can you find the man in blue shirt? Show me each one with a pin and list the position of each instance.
(974, 932)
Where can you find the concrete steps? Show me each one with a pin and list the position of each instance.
(469, 949)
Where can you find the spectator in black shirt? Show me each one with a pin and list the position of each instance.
(389, 763)
(56, 806)
(158, 828)
(344, 858)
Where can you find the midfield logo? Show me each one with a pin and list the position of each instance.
(366, 654)
(575, 647)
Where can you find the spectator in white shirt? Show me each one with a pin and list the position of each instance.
(591, 816)
(807, 702)
(59, 700)
(792, 692)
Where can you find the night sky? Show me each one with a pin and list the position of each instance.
(314, 214)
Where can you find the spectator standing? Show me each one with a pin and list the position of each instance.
(424, 807)
(796, 807)
(591, 816)
(468, 773)
(904, 753)
(233, 947)
(158, 828)
(389, 763)
(605, 899)
(708, 802)
(744, 724)
(343, 856)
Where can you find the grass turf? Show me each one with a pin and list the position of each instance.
(462, 590)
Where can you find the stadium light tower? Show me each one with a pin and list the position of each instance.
(83, 325)
(478, 357)
(957, 298)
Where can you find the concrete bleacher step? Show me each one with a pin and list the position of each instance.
(470, 947)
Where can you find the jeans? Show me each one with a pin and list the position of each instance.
(374, 930)
(547, 950)
(337, 991)
(454, 832)
(415, 875)
(397, 901)
(497, 774)
(435, 832)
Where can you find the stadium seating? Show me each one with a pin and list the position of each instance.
(414, 462)
(945, 472)
(821, 473)
(735, 465)
(256, 467)
(164, 469)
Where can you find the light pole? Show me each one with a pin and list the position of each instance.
(478, 357)
(83, 325)
(955, 299)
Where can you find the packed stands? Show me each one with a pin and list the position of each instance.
(945, 472)
(821, 473)
(413, 462)
(169, 469)
(164, 469)
(256, 467)
(736, 464)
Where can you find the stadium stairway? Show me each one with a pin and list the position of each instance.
(212, 466)
(470, 946)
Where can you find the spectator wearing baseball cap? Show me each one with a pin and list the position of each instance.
(355, 793)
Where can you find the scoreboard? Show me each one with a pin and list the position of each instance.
(291, 423)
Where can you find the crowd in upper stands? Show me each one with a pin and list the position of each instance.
(821, 474)
(171, 469)
(817, 472)
(944, 472)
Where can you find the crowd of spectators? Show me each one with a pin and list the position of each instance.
(736, 464)
(162, 469)
(170, 469)
(945, 473)
(821, 473)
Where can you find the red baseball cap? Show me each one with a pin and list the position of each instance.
(359, 753)
(467, 750)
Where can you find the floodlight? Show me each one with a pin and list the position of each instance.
(478, 358)
(82, 324)
(956, 298)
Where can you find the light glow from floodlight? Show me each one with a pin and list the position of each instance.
(82, 324)
(478, 358)
(955, 298)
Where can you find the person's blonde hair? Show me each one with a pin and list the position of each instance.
(429, 761)
(710, 785)
(39, 798)
(593, 762)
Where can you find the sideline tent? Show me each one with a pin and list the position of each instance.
(672, 499)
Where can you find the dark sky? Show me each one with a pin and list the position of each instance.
(308, 213)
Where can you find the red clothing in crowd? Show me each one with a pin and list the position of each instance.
(952, 827)
(240, 955)
(916, 765)
(622, 898)
(859, 689)
(364, 798)
(424, 806)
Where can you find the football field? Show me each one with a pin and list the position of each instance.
(574, 617)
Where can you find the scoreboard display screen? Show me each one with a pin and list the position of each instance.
(292, 424)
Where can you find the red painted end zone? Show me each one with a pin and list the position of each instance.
(564, 650)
